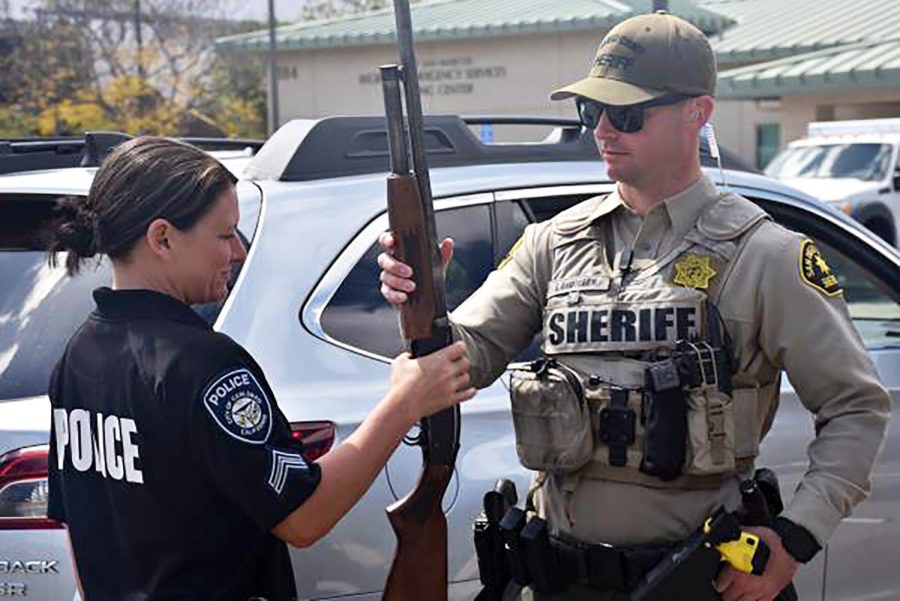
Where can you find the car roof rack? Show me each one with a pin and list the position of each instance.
(310, 149)
(35, 154)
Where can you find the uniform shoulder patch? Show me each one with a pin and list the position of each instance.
(815, 272)
(239, 405)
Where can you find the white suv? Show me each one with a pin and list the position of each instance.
(306, 305)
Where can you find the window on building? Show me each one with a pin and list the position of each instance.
(768, 139)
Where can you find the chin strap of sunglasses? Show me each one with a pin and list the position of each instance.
(710, 134)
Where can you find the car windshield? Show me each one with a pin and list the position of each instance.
(867, 162)
(41, 308)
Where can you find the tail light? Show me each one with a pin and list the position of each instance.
(317, 437)
(24, 490)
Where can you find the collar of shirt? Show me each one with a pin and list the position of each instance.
(135, 304)
(683, 209)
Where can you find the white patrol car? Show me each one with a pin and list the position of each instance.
(854, 165)
(306, 305)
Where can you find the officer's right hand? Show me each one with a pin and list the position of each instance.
(431, 383)
(396, 277)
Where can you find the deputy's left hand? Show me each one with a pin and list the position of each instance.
(735, 585)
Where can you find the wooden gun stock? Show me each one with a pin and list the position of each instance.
(421, 530)
(407, 220)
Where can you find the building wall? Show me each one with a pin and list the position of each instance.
(505, 75)
(514, 75)
(736, 123)
(799, 110)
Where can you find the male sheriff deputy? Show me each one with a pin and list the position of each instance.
(668, 312)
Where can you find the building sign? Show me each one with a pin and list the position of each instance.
(287, 71)
(446, 77)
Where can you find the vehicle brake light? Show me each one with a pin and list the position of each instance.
(24, 490)
(317, 437)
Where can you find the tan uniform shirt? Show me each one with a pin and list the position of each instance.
(777, 321)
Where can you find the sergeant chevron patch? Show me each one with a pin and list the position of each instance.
(815, 272)
(282, 463)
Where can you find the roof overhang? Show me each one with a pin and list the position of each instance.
(863, 65)
(439, 20)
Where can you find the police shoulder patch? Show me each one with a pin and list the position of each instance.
(239, 405)
(815, 272)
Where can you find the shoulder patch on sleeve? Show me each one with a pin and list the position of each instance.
(815, 272)
(239, 405)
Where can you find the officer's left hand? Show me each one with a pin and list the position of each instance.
(735, 585)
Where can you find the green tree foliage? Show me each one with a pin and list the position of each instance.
(330, 9)
(138, 67)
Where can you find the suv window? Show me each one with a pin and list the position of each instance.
(875, 314)
(41, 308)
(359, 316)
(864, 161)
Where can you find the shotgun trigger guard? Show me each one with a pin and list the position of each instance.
(415, 437)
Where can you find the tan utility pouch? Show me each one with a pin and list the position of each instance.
(550, 417)
(710, 431)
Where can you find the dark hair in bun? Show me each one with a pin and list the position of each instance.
(144, 179)
(74, 231)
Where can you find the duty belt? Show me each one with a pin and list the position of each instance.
(548, 564)
(604, 567)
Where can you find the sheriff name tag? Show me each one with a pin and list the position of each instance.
(606, 327)
(593, 283)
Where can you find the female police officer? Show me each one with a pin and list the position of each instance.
(171, 463)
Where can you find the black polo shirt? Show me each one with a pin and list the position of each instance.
(170, 461)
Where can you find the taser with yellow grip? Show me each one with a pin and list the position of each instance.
(744, 551)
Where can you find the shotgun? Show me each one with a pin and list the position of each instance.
(419, 570)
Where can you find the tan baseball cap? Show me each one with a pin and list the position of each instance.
(646, 57)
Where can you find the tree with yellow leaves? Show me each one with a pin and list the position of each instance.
(140, 67)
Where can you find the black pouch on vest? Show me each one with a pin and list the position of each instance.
(665, 422)
(617, 427)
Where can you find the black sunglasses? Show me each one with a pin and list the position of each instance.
(627, 119)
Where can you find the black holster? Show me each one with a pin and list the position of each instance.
(493, 569)
(665, 421)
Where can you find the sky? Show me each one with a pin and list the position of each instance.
(285, 10)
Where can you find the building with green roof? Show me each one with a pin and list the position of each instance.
(782, 63)
(785, 64)
(475, 56)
